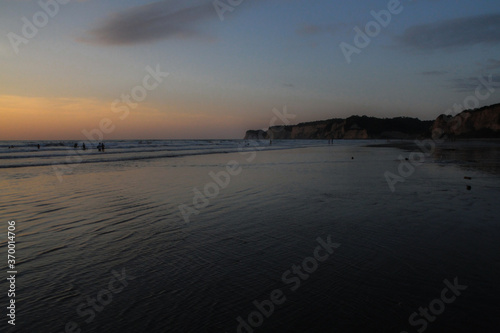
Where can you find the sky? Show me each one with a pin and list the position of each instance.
(196, 69)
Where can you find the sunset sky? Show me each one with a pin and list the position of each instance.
(229, 67)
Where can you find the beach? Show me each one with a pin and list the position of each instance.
(237, 236)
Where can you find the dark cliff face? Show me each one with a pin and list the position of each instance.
(255, 135)
(480, 123)
(354, 127)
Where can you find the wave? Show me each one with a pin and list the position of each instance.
(24, 154)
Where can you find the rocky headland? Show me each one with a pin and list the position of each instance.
(478, 123)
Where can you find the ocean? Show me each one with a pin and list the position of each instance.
(244, 236)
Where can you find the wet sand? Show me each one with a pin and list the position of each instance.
(396, 248)
(469, 154)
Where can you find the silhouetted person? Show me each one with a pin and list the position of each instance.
(76, 145)
(38, 145)
(102, 146)
(83, 147)
(99, 146)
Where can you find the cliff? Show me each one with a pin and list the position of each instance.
(479, 123)
(354, 127)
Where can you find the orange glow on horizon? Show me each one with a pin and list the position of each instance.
(42, 118)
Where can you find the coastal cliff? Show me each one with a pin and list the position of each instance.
(479, 123)
(355, 127)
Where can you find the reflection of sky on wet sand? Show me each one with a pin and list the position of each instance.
(481, 158)
(472, 155)
(397, 247)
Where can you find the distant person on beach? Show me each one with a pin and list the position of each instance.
(83, 147)
(99, 146)
(76, 145)
(38, 145)
(102, 146)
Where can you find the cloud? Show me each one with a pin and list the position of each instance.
(151, 22)
(470, 84)
(492, 64)
(455, 33)
(316, 29)
(434, 73)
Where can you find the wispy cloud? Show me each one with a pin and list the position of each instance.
(151, 22)
(316, 29)
(455, 33)
(470, 84)
(492, 64)
(434, 73)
